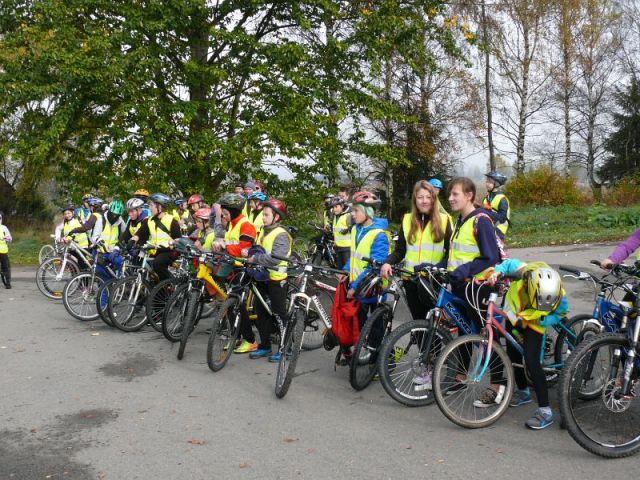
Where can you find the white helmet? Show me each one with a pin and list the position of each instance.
(134, 203)
(545, 289)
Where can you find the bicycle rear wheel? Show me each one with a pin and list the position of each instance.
(190, 320)
(79, 296)
(459, 379)
(157, 301)
(290, 351)
(607, 424)
(126, 303)
(364, 361)
(174, 313)
(404, 365)
(224, 333)
(53, 275)
(314, 327)
(102, 301)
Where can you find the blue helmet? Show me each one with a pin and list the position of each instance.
(95, 202)
(436, 183)
(180, 201)
(160, 199)
(257, 196)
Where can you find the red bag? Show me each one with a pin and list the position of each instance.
(344, 313)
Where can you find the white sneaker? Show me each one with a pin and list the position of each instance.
(490, 397)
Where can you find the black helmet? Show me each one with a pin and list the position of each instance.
(160, 199)
(68, 206)
(336, 201)
(497, 177)
(370, 285)
(232, 200)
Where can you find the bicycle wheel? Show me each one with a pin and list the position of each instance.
(459, 378)
(79, 296)
(404, 365)
(47, 251)
(157, 301)
(126, 303)
(314, 327)
(174, 313)
(190, 320)
(289, 353)
(52, 276)
(102, 301)
(364, 360)
(566, 342)
(224, 333)
(608, 424)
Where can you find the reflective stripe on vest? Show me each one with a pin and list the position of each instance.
(232, 236)
(464, 247)
(109, 235)
(156, 235)
(494, 205)
(81, 239)
(340, 224)
(363, 249)
(133, 229)
(266, 242)
(424, 249)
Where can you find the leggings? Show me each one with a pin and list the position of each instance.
(5, 267)
(276, 291)
(532, 344)
(417, 299)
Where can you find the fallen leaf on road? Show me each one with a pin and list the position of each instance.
(289, 440)
(408, 447)
(441, 461)
(33, 430)
(20, 350)
(3, 347)
(95, 334)
(499, 450)
(196, 442)
(244, 465)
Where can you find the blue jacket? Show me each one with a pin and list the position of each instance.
(379, 249)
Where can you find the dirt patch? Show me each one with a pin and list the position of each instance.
(131, 366)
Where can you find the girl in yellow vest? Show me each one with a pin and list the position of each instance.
(203, 236)
(5, 266)
(423, 239)
(496, 203)
(341, 230)
(93, 225)
(113, 225)
(274, 239)
(256, 212)
(69, 222)
(533, 302)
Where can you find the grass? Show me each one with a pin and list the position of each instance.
(27, 243)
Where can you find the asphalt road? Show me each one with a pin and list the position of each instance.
(84, 401)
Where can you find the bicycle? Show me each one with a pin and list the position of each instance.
(324, 249)
(606, 423)
(53, 274)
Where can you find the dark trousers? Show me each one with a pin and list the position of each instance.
(532, 344)
(418, 300)
(342, 256)
(246, 332)
(276, 291)
(5, 268)
(161, 264)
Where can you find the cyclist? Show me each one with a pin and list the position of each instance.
(203, 235)
(93, 225)
(69, 222)
(143, 195)
(181, 213)
(260, 187)
(136, 219)
(496, 203)
(82, 213)
(249, 188)
(341, 230)
(238, 188)
(343, 193)
(256, 200)
(327, 215)
(113, 225)
(160, 230)
(5, 266)
(533, 302)
(424, 238)
(623, 251)
(437, 186)
(274, 239)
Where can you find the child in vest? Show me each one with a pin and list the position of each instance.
(341, 230)
(496, 203)
(5, 266)
(274, 239)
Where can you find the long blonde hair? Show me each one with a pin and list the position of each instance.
(437, 233)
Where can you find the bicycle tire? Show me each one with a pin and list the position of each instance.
(46, 251)
(47, 273)
(364, 365)
(125, 315)
(224, 333)
(157, 301)
(575, 412)
(174, 312)
(314, 327)
(562, 348)
(79, 296)
(399, 365)
(102, 301)
(291, 346)
(190, 320)
(445, 381)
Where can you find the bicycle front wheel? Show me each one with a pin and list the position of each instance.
(364, 364)
(53, 275)
(47, 251)
(460, 379)
(607, 424)
(127, 303)
(190, 320)
(174, 313)
(406, 367)
(79, 296)
(157, 301)
(289, 353)
(224, 333)
(102, 301)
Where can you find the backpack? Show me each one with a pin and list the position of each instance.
(502, 249)
(345, 327)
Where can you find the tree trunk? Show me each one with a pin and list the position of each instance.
(388, 85)
(524, 104)
(487, 89)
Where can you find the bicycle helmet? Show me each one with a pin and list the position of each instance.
(68, 207)
(544, 286)
(370, 286)
(328, 196)
(195, 198)
(135, 203)
(497, 177)
(261, 197)
(336, 201)
(141, 193)
(232, 200)
(278, 207)
(365, 198)
(95, 202)
(203, 214)
(160, 199)
(179, 201)
(86, 197)
(436, 183)
(116, 207)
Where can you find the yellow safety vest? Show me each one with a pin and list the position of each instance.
(156, 235)
(82, 240)
(266, 242)
(326, 217)
(246, 210)
(495, 203)
(423, 249)
(209, 238)
(340, 224)
(232, 236)
(258, 222)
(363, 249)
(464, 246)
(110, 234)
(133, 229)
(4, 248)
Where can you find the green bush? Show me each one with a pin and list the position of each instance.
(543, 186)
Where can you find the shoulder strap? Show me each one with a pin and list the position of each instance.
(161, 225)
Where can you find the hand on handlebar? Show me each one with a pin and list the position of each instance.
(386, 270)
(606, 264)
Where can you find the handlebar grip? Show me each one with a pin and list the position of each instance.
(594, 262)
(572, 270)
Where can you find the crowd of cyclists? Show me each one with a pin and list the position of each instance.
(468, 243)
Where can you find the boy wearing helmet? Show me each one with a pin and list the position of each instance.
(534, 301)
(240, 233)
(5, 266)
(135, 211)
(256, 200)
(113, 225)
(496, 203)
(93, 225)
(341, 230)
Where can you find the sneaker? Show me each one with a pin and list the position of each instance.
(275, 358)
(423, 382)
(260, 353)
(539, 420)
(520, 397)
(246, 347)
(238, 343)
(489, 397)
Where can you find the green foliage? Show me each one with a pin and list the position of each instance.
(543, 186)
(626, 191)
